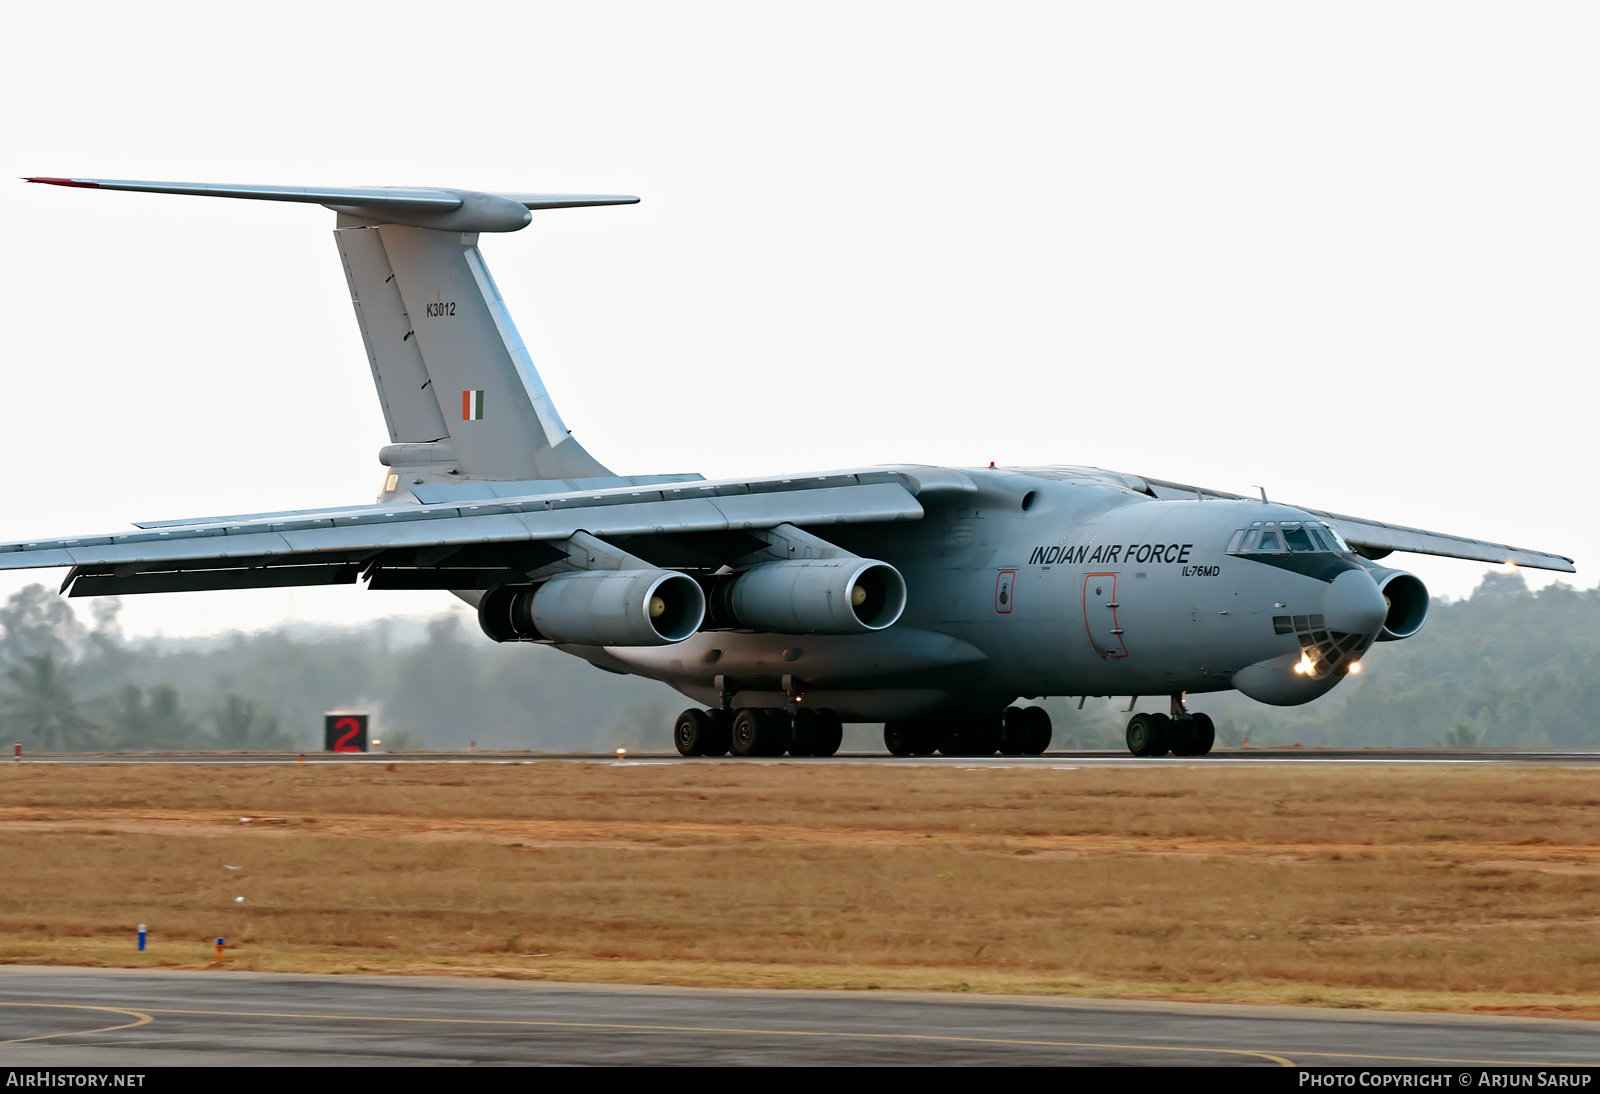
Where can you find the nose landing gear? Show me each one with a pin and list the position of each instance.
(1181, 733)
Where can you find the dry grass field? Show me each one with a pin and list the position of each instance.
(1456, 888)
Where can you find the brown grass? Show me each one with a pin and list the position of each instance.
(1449, 888)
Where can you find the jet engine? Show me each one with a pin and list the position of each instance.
(597, 608)
(1405, 597)
(813, 596)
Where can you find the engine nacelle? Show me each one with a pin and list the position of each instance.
(597, 608)
(1406, 599)
(815, 596)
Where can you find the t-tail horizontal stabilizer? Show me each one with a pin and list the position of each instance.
(415, 206)
(460, 393)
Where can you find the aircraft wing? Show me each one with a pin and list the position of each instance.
(1374, 539)
(471, 544)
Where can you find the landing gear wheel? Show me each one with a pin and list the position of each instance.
(830, 733)
(924, 738)
(804, 733)
(1012, 722)
(1184, 737)
(693, 732)
(757, 733)
(1036, 731)
(899, 738)
(1147, 734)
(721, 739)
(986, 733)
(1205, 734)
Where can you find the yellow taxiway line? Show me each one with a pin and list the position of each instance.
(143, 1020)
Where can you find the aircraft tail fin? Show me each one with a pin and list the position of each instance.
(460, 393)
(459, 390)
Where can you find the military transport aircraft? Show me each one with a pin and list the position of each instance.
(926, 598)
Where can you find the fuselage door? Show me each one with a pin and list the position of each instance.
(1100, 615)
(1004, 591)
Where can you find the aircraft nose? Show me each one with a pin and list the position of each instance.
(1354, 604)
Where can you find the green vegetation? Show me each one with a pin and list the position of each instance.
(1505, 667)
(67, 685)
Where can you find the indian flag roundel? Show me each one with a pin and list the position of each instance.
(471, 406)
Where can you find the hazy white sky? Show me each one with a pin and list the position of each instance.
(1344, 251)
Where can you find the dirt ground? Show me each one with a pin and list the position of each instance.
(1470, 888)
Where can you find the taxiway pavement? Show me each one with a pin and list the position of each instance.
(132, 1018)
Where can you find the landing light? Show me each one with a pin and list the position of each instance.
(1304, 666)
(1355, 667)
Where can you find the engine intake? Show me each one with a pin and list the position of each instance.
(596, 608)
(1406, 598)
(814, 596)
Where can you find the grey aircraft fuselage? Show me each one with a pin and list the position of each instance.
(1092, 589)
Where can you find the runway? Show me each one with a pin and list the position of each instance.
(1255, 756)
(125, 1018)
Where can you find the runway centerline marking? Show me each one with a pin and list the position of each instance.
(1279, 1060)
(144, 1020)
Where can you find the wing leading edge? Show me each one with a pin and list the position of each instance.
(462, 544)
(1374, 539)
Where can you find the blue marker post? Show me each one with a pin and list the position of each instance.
(220, 946)
(141, 938)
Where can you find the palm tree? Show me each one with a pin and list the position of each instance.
(160, 723)
(242, 724)
(40, 709)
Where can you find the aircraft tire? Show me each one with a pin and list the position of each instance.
(986, 734)
(1205, 734)
(1184, 737)
(898, 737)
(1147, 736)
(805, 733)
(721, 739)
(1012, 722)
(948, 739)
(1163, 743)
(830, 732)
(1036, 731)
(924, 738)
(780, 731)
(757, 733)
(692, 732)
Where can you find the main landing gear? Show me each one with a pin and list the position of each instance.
(758, 731)
(1181, 733)
(1016, 731)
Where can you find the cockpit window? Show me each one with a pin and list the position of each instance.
(1323, 535)
(1301, 537)
(1338, 541)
